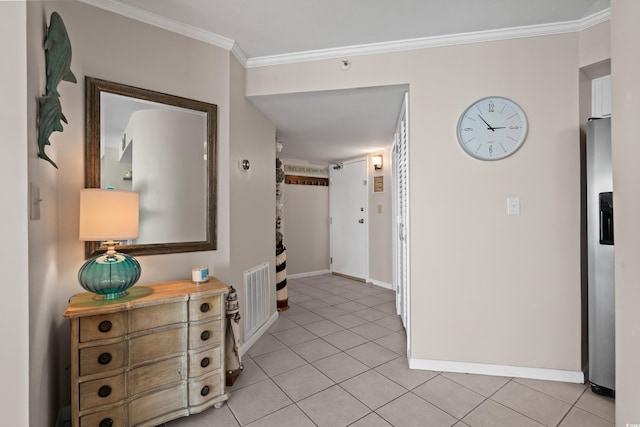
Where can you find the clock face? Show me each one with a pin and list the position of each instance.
(492, 128)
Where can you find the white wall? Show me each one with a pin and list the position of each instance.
(112, 170)
(486, 288)
(14, 310)
(306, 228)
(172, 181)
(306, 223)
(625, 69)
(253, 192)
(380, 222)
(46, 327)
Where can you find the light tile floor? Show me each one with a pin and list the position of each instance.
(337, 358)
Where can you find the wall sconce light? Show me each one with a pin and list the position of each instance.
(377, 162)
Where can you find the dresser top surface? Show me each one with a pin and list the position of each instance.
(86, 304)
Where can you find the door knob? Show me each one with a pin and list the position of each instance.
(361, 221)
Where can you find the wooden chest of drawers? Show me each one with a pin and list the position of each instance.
(147, 358)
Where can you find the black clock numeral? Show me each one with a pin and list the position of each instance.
(491, 107)
(491, 149)
(514, 127)
(467, 129)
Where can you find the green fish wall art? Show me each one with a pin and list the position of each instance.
(57, 48)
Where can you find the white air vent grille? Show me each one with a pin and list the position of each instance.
(256, 298)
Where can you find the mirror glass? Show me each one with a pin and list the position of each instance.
(163, 148)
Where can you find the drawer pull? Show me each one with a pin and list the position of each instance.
(105, 326)
(205, 362)
(104, 391)
(204, 307)
(205, 390)
(107, 422)
(205, 335)
(104, 358)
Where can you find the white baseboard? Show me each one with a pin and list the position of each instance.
(309, 274)
(245, 346)
(498, 370)
(381, 284)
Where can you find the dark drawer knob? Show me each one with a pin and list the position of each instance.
(107, 422)
(105, 326)
(104, 391)
(104, 358)
(205, 362)
(204, 307)
(205, 335)
(205, 390)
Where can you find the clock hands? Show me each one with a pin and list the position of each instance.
(485, 122)
(492, 129)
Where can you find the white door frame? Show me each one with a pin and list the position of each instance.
(406, 297)
(366, 215)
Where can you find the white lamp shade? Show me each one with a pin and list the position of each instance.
(108, 214)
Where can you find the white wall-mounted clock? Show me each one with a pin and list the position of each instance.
(492, 128)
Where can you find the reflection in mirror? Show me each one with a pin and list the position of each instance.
(163, 148)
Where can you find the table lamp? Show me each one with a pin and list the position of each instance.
(109, 215)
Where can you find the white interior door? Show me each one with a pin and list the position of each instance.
(348, 230)
(401, 203)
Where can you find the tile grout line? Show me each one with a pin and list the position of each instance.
(344, 351)
(329, 294)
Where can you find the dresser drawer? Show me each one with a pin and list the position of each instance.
(102, 391)
(204, 334)
(205, 307)
(102, 326)
(158, 404)
(205, 388)
(114, 417)
(204, 361)
(149, 347)
(156, 316)
(157, 375)
(101, 358)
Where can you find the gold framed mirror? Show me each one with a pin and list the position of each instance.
(164, 148)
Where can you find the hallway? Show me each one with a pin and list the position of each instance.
(337, 358)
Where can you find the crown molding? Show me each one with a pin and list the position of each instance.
(595, 19)
(431, 42)
(348, 51)
(239, 54)
(162, 22)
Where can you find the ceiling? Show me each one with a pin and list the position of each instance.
(336, 125)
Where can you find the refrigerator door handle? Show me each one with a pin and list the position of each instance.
(606, 218)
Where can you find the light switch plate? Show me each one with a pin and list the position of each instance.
(513, 205)
(34, 201)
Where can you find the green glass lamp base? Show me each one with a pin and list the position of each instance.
(111, 296)
(109, 275)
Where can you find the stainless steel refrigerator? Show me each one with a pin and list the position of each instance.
(600, 239)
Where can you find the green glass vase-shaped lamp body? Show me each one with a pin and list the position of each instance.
(109, 274)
